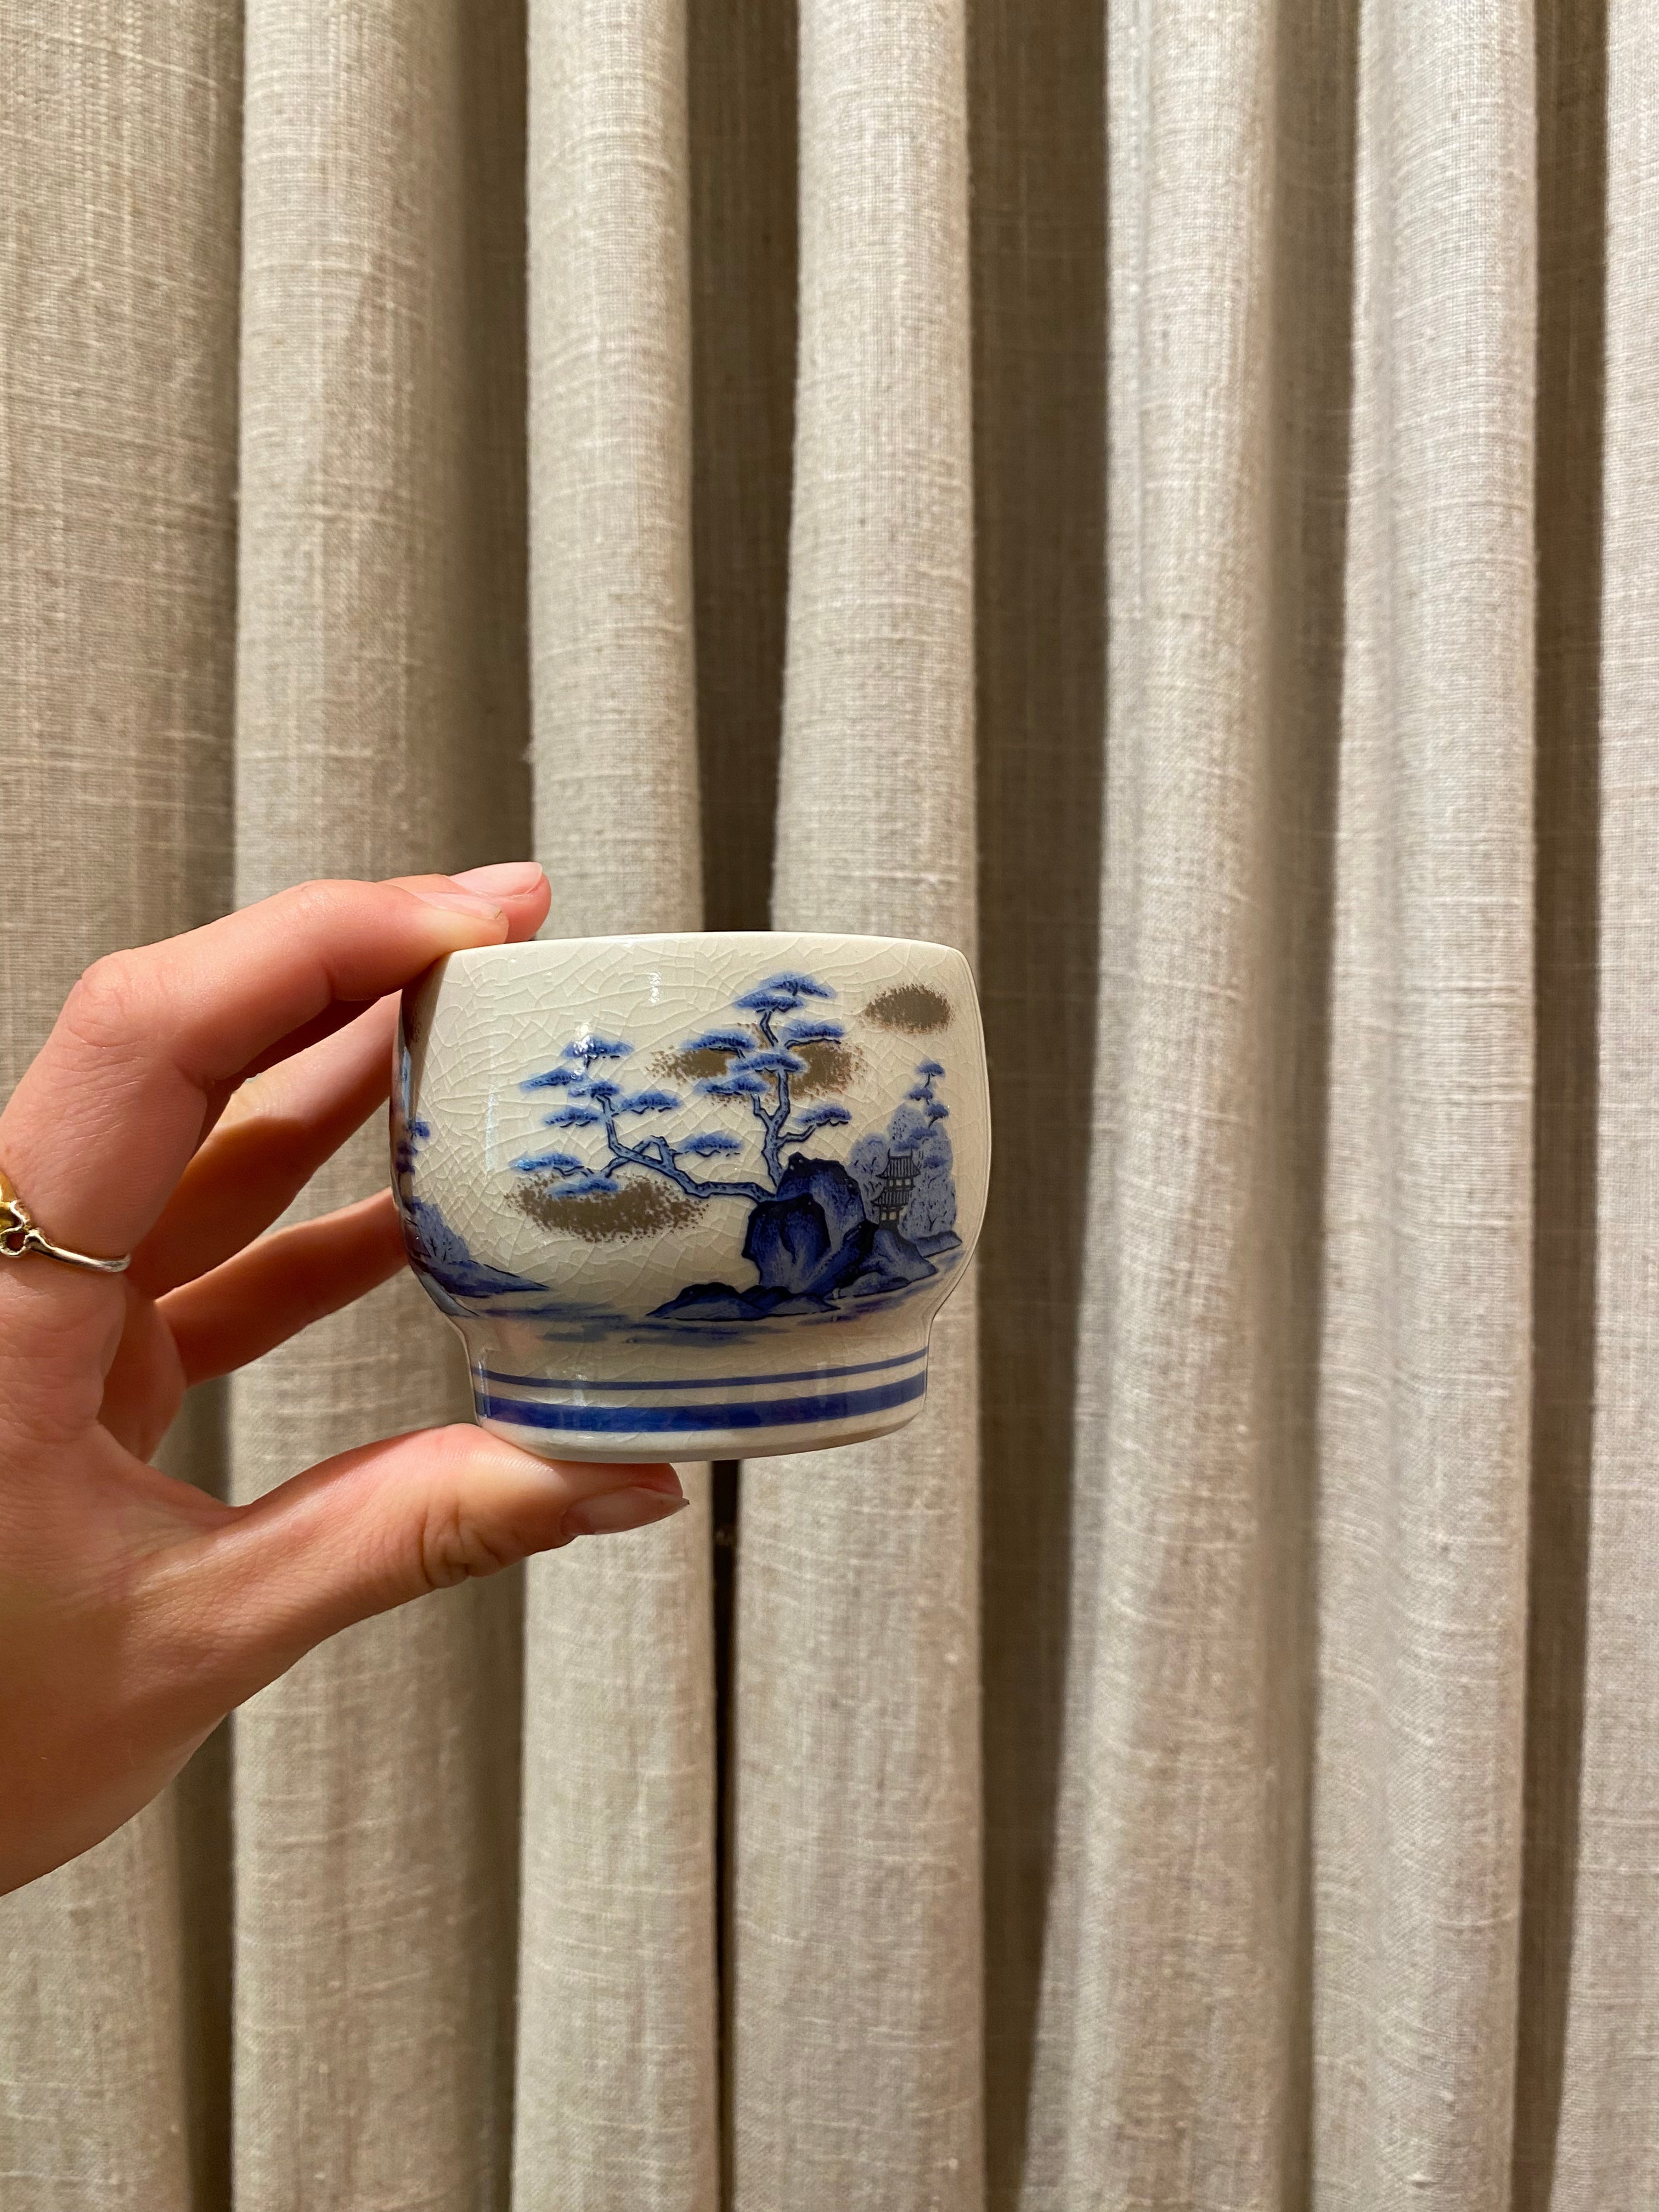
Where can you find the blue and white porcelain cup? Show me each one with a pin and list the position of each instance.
(692, 1197)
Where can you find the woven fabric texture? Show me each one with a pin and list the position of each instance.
(1165, 496)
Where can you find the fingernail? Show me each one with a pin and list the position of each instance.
(609, 1514)
(504, 879)
(457, 902)
(665, 1478)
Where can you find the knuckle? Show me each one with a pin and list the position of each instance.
(113, 1004)
(455, 1546)
(314, 906)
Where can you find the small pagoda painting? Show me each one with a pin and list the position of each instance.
(891, 1197)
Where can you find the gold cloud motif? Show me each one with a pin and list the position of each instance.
(911, 1008)
(642, 1207)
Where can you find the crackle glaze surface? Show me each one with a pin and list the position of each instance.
(692, 1196)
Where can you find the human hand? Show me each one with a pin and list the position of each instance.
(186, 1094)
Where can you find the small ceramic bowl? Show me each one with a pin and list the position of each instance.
(694, 1197)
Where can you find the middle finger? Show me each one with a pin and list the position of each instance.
(276, 1132)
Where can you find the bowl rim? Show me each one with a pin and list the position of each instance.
(679, 939)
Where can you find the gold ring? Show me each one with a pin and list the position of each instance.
(19, 1237)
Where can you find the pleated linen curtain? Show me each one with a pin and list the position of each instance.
(1210, 572)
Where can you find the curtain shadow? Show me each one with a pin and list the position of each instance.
(204, 1791)
(742, 102)
(492, 763)
(1038, 159)
(490, 808)
(1572, 93)
(198, 1449)
(1316, 121)
(742, 97)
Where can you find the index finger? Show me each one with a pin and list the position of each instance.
(99, 1130)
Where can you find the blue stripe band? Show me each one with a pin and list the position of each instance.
(777, 1413)
(708, 1382)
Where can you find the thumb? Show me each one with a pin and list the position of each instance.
(368, 1530)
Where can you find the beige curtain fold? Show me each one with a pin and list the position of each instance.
(118, 170)
(1424, 1399)
(1174, 1970)
(1585, 2127)
(379, 728)
(617, 2061)
(1160, 495)
(855, 1866)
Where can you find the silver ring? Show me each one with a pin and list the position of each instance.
(19, 1237)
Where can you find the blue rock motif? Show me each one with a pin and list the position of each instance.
(435, 1250)
(441, 1252)
(813, 1235)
